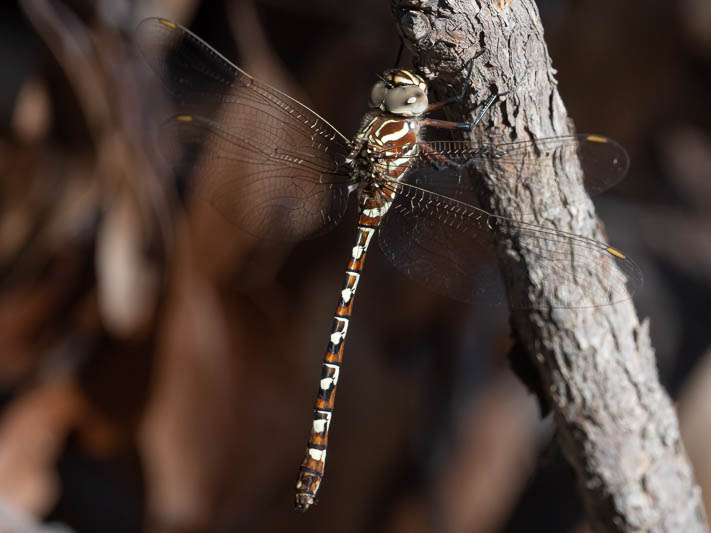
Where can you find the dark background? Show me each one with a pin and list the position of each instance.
(157, 368)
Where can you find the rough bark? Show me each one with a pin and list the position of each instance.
(616, 425)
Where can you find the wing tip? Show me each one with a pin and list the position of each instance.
(597, 139)
(615, 252)
(166, 22)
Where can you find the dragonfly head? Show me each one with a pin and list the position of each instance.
(399, 92)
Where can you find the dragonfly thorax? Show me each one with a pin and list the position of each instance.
(381, 155)
(383, 145)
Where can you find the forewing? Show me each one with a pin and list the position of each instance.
(604, 161)
(440, 241)
(265, 161)
(269, 194)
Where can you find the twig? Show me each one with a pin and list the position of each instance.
(616, 425)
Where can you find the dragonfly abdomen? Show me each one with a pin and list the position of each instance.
(314, 462)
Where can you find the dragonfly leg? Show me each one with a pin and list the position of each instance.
(467, 82)
(464, 126)
(399, 52)
(493, 98)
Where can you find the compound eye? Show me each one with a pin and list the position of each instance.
(409, 101)
(377, 94)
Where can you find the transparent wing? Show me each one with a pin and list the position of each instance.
(442, 242)
(263, 190)
(266, 162)
(604, 161)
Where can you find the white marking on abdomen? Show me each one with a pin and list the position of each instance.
(333, 380)
(358, 250)
(368, 235)
(317, 455)
(347, 293)
(327, 383)
(340, 334)
(377, 211)
(320, 424)
(337, 371)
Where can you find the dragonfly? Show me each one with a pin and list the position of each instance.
(279, 171)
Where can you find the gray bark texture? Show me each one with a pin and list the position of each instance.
(615, 423)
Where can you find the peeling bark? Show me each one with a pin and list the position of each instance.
(616, 424)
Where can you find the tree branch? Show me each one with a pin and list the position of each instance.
(616, 425)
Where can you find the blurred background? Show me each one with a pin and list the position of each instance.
(157, 369)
